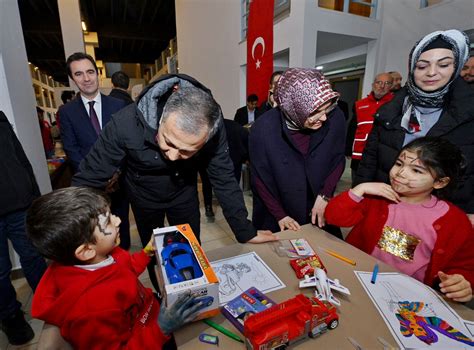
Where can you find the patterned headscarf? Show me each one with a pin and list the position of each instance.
(458, 42)
(300, 92)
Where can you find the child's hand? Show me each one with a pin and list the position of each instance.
(376, 189)
(317, 212)
(149, 248)
(184, 310)
(288, 223)
(455, 287)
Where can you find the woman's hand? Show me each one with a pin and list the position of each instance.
(317, 212)
(455, 287)
(288, 223)
(376, 189)
(471, 219)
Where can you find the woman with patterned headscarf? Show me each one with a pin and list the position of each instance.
(436, 101)
(297, 153)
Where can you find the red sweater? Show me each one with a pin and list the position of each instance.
(454, 245)
(103, 309)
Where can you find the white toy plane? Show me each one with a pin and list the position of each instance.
(323, 286)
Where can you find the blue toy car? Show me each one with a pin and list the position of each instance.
(180, 262)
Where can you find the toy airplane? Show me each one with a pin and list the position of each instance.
(323, 286)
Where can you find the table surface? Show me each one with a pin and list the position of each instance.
(358, 316)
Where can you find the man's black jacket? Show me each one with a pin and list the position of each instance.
(153, 182)
(18, 185)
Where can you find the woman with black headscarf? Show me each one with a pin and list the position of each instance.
(435, 102)
(297, 153)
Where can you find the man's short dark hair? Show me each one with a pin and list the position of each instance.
(195, 108)
(60, 221)
(252, 98)
(120, 80)
(278, 72)
(79, 56)
(67, 95)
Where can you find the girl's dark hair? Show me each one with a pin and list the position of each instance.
(442, 158)
(60, 221)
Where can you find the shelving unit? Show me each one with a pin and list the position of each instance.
(43, 86)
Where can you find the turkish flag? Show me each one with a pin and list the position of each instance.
(260, 48)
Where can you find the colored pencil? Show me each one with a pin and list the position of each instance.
(339, 256)
(223, 330)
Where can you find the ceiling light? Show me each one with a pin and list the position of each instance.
(84, 27)
(319, 67)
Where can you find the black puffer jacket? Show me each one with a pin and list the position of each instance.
(151, 181)
(455, 124)
(18, 185)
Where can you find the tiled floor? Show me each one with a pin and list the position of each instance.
(215, 233)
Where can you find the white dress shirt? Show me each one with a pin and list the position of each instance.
(97, 106)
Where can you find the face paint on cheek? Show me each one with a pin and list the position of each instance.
(103, 220)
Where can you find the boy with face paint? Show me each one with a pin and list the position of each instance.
(91, 292)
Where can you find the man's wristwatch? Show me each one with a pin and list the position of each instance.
(324, 197)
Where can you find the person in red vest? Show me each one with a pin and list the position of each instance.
(45, 128)
(363, 118)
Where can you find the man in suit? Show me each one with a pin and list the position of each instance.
(82, 120)
(248, 113)
(120, 81)
(467, 72)
(270, 102)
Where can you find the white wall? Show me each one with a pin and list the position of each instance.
(17, 98)
(404, 23)
(298, 33)
(208, 35)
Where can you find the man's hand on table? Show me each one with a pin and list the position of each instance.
(263, 236)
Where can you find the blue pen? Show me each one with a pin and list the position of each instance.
(374, 273)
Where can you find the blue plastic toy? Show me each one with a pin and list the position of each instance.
(180, 262)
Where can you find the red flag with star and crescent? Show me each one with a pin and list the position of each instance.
(259, 48)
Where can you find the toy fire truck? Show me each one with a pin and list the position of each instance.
(289, 322)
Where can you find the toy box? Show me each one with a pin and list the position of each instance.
(183, 266)
(248, 303)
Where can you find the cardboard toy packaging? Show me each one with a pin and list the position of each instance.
(183, 266)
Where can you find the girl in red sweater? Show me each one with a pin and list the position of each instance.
(407, 224)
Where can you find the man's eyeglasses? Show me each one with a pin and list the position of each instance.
(383, 83)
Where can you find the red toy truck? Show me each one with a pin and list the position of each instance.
(289, 322)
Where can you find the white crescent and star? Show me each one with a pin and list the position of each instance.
(258, 41)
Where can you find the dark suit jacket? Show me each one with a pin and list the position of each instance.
(238, 141)
(242, 117)
(121, 95)
(77, 133)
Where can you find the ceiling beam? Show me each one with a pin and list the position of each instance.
(134, 31)
(110, 55)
